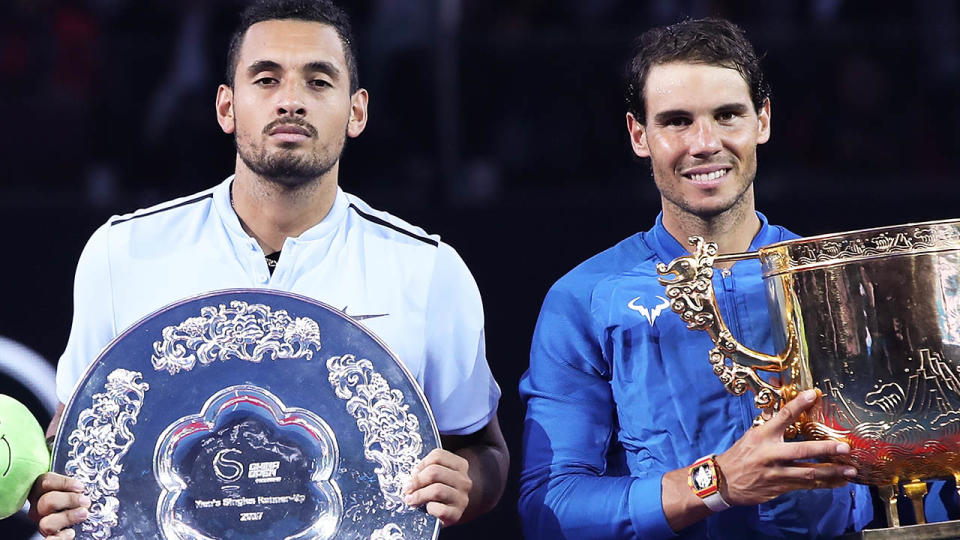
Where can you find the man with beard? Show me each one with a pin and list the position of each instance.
(628, 433)
(281, 222)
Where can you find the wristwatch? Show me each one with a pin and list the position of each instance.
(705, 481)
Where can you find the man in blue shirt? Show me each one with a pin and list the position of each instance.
(621, 399)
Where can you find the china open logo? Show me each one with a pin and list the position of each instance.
(225, 468)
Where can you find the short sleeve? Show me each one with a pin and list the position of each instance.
(93, 323)
(456, 378)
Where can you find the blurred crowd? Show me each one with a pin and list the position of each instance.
(473, 102)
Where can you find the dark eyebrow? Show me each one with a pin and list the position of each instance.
(735, 108)
(317, 66)
(262, 65)
(322, 67)
(662, 116)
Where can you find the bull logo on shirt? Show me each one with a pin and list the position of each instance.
(650, 313)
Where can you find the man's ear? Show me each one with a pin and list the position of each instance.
(638, 136)
(225, 109)
(763, 122)
(358, 113)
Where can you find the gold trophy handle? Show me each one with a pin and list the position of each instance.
(691, 296)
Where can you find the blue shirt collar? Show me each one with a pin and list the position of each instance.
(668, 248)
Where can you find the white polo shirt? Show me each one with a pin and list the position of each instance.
(362, 260)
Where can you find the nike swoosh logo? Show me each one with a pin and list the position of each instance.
(362, 317)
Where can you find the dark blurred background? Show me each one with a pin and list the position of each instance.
(498, 125)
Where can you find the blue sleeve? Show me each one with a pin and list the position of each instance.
(941, 503)
(570, 420)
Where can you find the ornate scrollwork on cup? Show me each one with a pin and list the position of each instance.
(733, 376)
(390, 433)
(692, 297)
(99, 442)
(250, 332)
(859, 244)
(898, 430)
(693, 280)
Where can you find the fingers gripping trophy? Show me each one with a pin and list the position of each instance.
(869, 319)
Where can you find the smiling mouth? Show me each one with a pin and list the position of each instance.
(708, 177)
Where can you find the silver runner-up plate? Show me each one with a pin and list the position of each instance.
(247, 414)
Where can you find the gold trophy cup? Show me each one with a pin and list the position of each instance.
(871, 319)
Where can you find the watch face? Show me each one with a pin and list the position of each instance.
(703, 477)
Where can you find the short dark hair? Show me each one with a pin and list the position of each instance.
(321, 11)
(710, 41)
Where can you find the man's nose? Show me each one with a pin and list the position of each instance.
(290, 100)
(704, 139)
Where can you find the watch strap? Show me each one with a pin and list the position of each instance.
(715, 502)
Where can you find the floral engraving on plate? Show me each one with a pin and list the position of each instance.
(101, 439)
(391, 436)
(390, 531)
(250, 332)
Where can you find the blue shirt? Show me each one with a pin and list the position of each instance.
(620, 392)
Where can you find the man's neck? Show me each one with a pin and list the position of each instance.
(732, 230)
(271, 213)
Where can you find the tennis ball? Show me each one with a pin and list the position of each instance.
(23, 454)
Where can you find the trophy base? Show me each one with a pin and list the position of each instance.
(946, 529)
